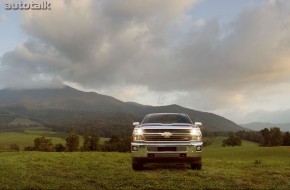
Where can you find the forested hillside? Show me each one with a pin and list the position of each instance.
(64, 109)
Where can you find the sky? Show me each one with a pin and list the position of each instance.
(228, 57)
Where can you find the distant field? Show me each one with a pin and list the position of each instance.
(23, 121)
(22, 139)
(223, 168)
(26, 138)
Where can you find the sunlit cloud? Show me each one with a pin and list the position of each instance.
(154, 52)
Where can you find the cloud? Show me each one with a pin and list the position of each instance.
(30, 65)
(97, 43)
(157, 46)
(2, 17)
(279, 116)
(251, 57)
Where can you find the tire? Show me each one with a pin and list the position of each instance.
(137, 166)
(196, 166)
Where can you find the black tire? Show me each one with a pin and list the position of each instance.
(137, 166)
(196, 166)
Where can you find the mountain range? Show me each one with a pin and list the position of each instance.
(69, 105)
(257, 126)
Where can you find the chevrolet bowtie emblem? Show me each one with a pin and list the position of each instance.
(166, 134)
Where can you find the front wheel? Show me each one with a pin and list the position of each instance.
(137, 166)
(196, 166)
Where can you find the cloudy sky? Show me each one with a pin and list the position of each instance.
(229, 57)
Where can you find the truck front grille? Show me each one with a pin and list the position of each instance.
(171, 138)
(167, 135)
(167, 130)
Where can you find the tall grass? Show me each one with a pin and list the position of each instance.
(223, 168)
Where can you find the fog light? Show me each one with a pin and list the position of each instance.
(134, 148)
(198, 148)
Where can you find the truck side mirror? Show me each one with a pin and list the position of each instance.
(198, 124)
(136, 123)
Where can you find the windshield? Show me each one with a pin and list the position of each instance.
(167, 118)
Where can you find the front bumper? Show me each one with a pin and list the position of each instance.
(173, 152)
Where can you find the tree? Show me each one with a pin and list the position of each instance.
(232, 141)
(126, 145)
(117, 144)
(266, 137)
(87, 142)
(91, 143)
(115, 139)
(271, 137)
(113, 144)
(59, 147)
(95, 142)
(286, 139)
(72, 142)
(43, 144)
(252, 136)
(276, 136)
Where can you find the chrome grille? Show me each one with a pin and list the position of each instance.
(167, 135)
(162, 138)
(166, 130)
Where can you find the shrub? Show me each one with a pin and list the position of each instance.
(91, 143)
(59, 148)
(28, 148)
(72, 142)
(15, 146)
(232, 141)
(43, 144)
(117, 144)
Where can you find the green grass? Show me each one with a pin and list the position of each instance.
(22, 139)
(218, 141)
(26, 138)
(223, 168)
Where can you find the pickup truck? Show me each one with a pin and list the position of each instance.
(166, 138)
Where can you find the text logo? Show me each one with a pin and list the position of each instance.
(44, 5)
(166, 134)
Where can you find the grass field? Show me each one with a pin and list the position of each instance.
(223, 168)
(27, 136)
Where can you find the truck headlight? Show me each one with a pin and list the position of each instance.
(137, 134)
(139, 131)
(196, 134)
